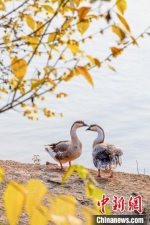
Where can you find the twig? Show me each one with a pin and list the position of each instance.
(137, 167)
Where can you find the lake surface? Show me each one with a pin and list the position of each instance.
(119, 102)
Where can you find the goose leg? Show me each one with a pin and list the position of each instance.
(112, 175)
(69, 163)
(99, 173)
(61, 167)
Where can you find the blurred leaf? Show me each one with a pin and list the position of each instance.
(48, 9)
(118, 32)
(97, 62)
(39, 217)
(53, 47)
(2, 6)
(74, 49)
(91, 59)
(83, 26)
(82, 12)
(124, 22)
(94, 61)
(66, 24)
(2, 172)
(40, 31)
(73, 220)
(110, 66)
(36, 191)
(62, 210)
(37, 83)
(134, 41)
(82, 70)
(88, 214)
(77, 2)
(68, 173)
(107, 210)
(19, 68)
(57, 205)
(14, 197)
(30, 21)
(121, 5)
(31, 41)
(82, 171)
(52, 37)
(95, 193)
(116, 51)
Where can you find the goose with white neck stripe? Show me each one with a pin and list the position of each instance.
(106, 156)
(67, 151)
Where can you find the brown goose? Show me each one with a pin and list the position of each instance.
(67, 151)
(106, 156)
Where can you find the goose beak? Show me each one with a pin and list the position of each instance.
(85, 125)
(88, 128)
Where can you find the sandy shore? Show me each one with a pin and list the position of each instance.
(123, 184)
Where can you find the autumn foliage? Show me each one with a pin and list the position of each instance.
(55, 31)
(61, 209)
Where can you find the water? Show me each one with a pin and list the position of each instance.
(119, 102)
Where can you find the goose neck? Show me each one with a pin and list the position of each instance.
(73, 134)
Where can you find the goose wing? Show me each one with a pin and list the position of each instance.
(107, 156)
(59, 150)
(59, 146)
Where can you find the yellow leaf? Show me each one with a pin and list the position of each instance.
(95, 193)
(40, 31)
(66, 24)
(82, 70)
(39, 216)
(74, 49)
(14, 197)
(52, 37)
(19, 68)
(91, 59)
(82, 26)
(30, 21)
(63, 205)
(97, 62)
(124, 22)
(37, 83)
(94, 61)
(2, 6)
(1, 174)
(82, 12)
(110, 66)
(35, 194)
(68, 173)
(134, 41)
(116, 51)
(82, 171)
(48, 9)
(53, 47)
(77, 2)
(118, 32)
(33, 42)
(121, 5)
(88, 214)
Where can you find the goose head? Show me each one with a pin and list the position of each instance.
(78, 124)
(98, 129)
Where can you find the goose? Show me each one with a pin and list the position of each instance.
(67, 151)
(106, 156)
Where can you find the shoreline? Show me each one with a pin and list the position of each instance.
(123, 184)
